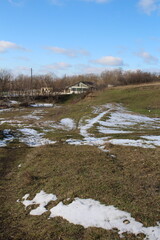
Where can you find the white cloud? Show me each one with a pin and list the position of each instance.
(5, 45)
(148, 6)
(147, 57)
(89, 69)
(109, 61)
(56, 69)
(69, 52)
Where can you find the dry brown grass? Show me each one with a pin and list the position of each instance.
(140, 85)
(128, 181)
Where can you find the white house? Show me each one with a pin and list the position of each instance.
(80, 87)
(46, 90)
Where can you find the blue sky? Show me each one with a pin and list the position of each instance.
(79, 36)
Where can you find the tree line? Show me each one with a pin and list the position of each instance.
(118, 77)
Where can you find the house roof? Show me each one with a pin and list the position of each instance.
(87, 83)
(84, 82)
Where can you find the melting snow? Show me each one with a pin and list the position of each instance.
(5, 110)
(42, 105)
(14, 102)
(153, 139)
(111, 119)
(29, 136)
(8, 137)
(32, 138)
(134, 143)
(118, 121)
(11, 122)
(42, 199)
(31, 116)
(121, 120)
(91, 213)
(111, 131)
(65, 124)
(91, 141)
(91, 122)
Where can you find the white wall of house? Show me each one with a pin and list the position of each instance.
(78, 88)
(46, 90)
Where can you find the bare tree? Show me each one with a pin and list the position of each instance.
(5, 81)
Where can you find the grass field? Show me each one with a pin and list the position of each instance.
(126, 177)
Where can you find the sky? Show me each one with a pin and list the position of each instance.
(70, 37)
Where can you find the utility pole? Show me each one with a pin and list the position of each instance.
(31, 83)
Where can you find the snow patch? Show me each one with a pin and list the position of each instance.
(68, 123)
(120, 118)
(5, 110)
(14, 102)
(91, 141)
(8, 137)
(11, 122)
(42, 105)
(118, 121)
(42, 199)
(32, 138)
(155, 140)
(133, 143)
(31, 116)
(111, 131)
(84, 128)
(91, 213)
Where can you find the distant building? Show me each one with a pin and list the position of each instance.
(110, 85)
(46, 90)
(80, 87)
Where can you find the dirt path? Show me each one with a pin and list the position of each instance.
(9, 158)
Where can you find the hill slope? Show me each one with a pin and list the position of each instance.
(70, 151)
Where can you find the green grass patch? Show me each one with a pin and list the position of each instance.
(143, 100)
(62, 135)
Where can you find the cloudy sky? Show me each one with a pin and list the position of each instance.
(79, 36)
